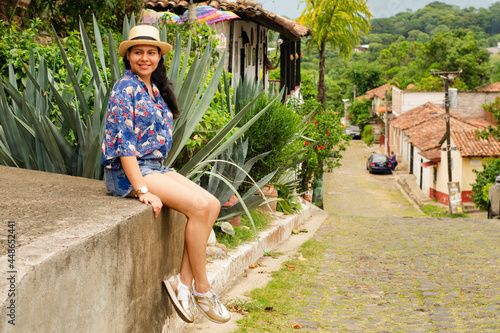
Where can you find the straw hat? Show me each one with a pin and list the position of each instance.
(143, 35)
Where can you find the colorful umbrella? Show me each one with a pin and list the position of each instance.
(171, 17)
(149, 16)
(225, 16)
(210, 15)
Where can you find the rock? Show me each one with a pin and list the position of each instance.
(221, 246)
(214, 252)
(212, 240)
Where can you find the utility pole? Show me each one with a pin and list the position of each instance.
(387, 124)
(447, 78)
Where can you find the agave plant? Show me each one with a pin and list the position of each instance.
(29, 139)
(70, 145)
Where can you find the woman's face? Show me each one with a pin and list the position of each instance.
(143, 60)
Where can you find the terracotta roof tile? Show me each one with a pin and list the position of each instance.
(473, 146)
(416, 116)
(433, 155)
(243, 8)
(425, 126)
(493, 87)
(429, 134)
(476, 122)
(379, 92)
(381, 109)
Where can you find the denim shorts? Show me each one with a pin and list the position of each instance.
(117, 182)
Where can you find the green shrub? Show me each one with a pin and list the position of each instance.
(17, 43)
(367, 135)
(324, 140)
(277, 132)
(64, 14)
(359, 112)
(484, 179)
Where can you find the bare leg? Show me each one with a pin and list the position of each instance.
(201, 209)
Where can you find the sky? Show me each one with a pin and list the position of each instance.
(379, 8)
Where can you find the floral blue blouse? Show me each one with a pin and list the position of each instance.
(136, 124)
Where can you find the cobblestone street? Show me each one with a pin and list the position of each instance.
(388, 268)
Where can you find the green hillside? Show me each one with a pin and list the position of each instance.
(404, 48)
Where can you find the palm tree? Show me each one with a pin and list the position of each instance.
(337, 22)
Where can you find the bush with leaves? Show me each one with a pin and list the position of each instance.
(359, 112)
(16, 44)
(202, 36)
(277, 131)
(324, 139)
(64, 14)
(367, 135)
(484, 179)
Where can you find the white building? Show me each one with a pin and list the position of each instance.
(245, 40)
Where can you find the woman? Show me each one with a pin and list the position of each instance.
(138, 137)
(394, 162)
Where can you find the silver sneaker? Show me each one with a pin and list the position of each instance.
(181, 298)
(212, 308)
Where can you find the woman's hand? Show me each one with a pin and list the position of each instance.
(150, 199)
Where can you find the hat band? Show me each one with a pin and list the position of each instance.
(144, 37)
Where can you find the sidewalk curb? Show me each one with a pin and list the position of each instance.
(224, 272)
(407, 189)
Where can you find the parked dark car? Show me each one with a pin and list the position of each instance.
(354, 131)
(379, 163)
(494, 199)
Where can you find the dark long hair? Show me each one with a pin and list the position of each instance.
(159, 77)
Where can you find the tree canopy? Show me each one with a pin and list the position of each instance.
(338, 23)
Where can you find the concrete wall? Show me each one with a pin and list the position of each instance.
(470, 103)
(88, 262)
(84, 261)
(404, 101)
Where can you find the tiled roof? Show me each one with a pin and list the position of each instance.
(493, 87)
(416, 116)
(425, 126)
(476, 122)
(379, 92)
(428, 135)
(244, 8)
(473, 146)
(432, 154)
(381, 109)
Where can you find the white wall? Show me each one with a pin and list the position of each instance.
(251, 62)
(404, 101)
(469, 103)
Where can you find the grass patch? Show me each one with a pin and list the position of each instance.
(245, 232)
(275, 307)
(438, 211)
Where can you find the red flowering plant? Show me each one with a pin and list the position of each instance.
(324, 139)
